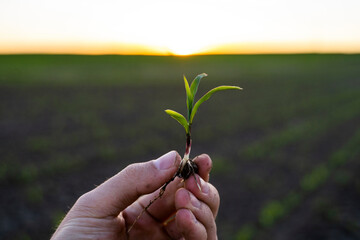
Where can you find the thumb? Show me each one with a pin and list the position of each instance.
(114, 195)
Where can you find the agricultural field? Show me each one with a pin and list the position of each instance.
(285, 150)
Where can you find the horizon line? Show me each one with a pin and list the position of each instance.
(177, 55)
(237, 48)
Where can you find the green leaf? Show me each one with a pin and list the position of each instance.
(178, 117)
(189, 97)
(195, 83)
(207, 96)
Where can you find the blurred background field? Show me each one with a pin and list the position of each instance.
(285, 150)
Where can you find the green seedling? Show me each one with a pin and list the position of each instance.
(187, 165)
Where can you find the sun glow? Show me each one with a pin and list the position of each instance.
(182, 51)
(185, 47)
(179, 27)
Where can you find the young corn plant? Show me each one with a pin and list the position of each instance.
(187, 165)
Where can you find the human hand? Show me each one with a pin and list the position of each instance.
(183, 212)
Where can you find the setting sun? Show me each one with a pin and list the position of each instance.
(182, 50)
(184, 47)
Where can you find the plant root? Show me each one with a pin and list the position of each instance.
(190, 168)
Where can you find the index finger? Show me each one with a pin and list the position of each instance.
(204, 164)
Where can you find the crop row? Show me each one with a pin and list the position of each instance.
(310, 130)
(275, 210)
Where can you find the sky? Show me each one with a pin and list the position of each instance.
(179, 27)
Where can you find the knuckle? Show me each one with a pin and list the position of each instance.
(84, 205)
(129, 172)
(85, 199)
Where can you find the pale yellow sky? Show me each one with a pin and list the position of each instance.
(179, 27)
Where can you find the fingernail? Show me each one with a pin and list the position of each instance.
(204, 186)
(194, 201)
(165, 161)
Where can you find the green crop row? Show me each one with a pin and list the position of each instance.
(309, 130)
(14, 172)
(275, 210)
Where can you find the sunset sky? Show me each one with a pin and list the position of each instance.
(179, 27)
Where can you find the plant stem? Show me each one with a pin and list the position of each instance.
(187, 149)
(188, 144)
